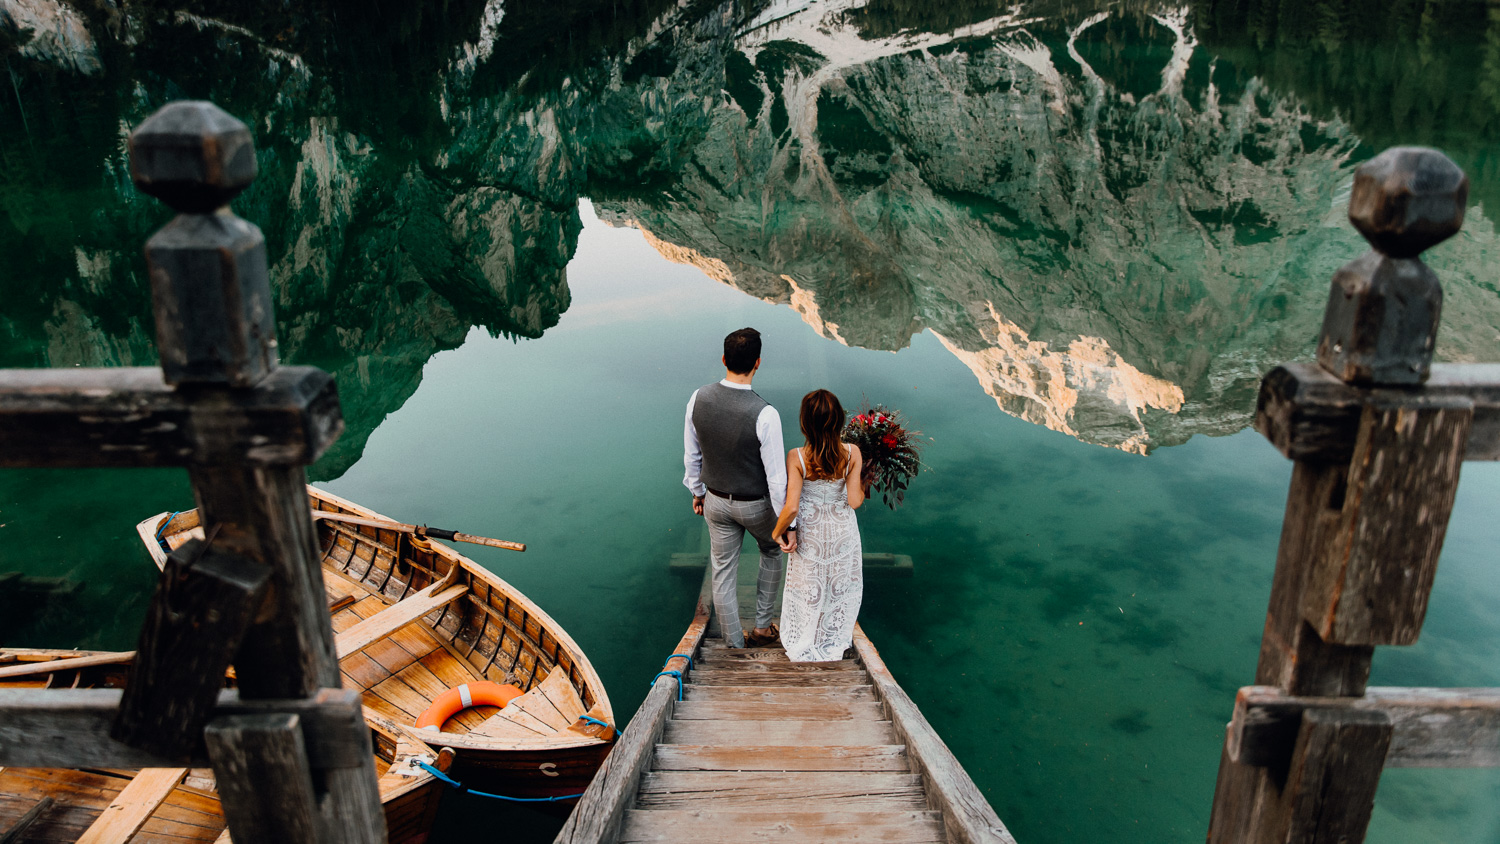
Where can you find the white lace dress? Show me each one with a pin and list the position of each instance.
(824, 577)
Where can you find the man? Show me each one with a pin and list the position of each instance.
(736, 470)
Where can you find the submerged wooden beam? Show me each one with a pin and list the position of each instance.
(1433, 728)
(70, 728)
(129, 417)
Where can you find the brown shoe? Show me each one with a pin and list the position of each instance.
(763, 640)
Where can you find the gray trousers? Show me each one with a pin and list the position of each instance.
(727, 522)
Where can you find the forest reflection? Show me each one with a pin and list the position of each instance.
(1117, 215)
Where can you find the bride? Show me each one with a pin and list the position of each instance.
(824, 580)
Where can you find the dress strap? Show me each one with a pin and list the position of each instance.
(803, 461)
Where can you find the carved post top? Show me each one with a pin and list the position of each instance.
(210, 283)
(192, 155)
(1380, 327)
(1407, 200)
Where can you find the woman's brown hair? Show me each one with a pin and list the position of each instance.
(822, 420)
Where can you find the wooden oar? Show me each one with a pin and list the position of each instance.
(27, 669)
(419, 530)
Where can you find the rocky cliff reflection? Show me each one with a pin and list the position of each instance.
(1117, 215)
(1117, 231)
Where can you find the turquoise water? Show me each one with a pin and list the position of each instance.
(1067, 244)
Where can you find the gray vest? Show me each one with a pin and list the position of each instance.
(724, 418)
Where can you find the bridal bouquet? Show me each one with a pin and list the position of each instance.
(890, 449)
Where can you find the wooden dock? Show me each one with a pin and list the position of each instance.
(763, 749)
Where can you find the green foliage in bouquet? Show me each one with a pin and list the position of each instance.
(891, 451)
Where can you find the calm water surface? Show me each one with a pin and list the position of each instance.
(1066, 237)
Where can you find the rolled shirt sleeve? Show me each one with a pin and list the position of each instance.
(772, 454)
(692, 454)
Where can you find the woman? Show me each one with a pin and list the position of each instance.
(824, 581)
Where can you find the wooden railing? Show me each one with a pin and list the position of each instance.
(1378, 434)
(290, 750)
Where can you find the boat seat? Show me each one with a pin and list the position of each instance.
(396, 616)
(549, 708)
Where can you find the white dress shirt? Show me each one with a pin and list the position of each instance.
(772, 451)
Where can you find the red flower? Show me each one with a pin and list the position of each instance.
(889, 441)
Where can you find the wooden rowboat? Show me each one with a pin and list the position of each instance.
(414, 618)
(161, 805)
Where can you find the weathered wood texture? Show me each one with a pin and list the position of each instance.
(69, 728)
(134, 805)
(263, 777)
(131, 418)
(868, 757)
(1335, 770)
(782, 827)
(1369, 584)
(1432, 728)
(764, 749)
(967, 816)
(600, 812)
(18, 830)
(1378, 435)
(264, 515)
(204, 602)
(1308, 414)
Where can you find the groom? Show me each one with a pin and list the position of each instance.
(736, 470)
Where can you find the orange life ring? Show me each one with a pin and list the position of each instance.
(456, 700)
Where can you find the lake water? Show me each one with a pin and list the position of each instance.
(1067, 238)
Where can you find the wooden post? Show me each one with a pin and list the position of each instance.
(263, 778)
(212, 265)
(204, 602)
(291, 751)
(1364, 524)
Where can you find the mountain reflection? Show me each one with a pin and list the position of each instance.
(1117, 215)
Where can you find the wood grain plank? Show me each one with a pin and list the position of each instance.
(823, 710)
(737, 827)
(675, 757)
(748, 664)
(561, 694)
(775, 694)
(690, 789)
(129, 811)
(784, 733)
(379, 626)
(710, 677)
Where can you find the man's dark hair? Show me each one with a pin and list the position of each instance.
(742, 350)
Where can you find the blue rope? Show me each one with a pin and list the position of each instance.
(677, 674)
(465, 789)
(592, 720)
(164, 527)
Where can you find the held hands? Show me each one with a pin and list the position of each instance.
(787, 541)
(698, 504)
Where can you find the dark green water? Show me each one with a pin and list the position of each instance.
(1066, 237)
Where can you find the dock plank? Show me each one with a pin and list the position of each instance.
(794, 791)
(713, 677)
(783, 667)
(804, 710)
(736, 827)
(774, 694)
(681, 757)
(784, 733)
